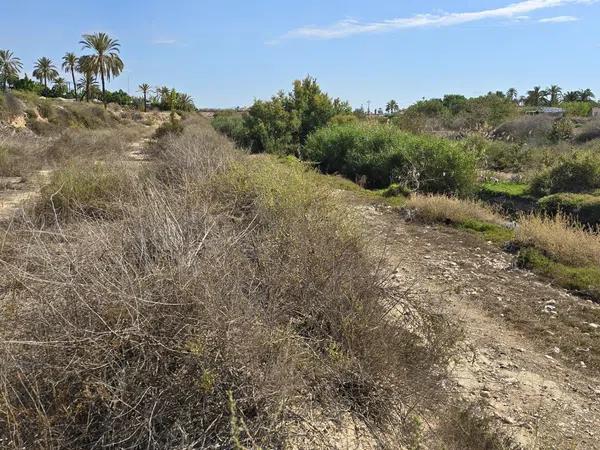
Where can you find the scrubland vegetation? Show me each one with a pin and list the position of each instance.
(499, 148)
(203, 303)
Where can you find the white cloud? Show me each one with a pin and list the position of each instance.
(164, 41)
(351, 27)
(559, 19)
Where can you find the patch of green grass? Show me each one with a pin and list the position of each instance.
(583, 207)
(584, 280)
(491, 232)
(506, 188)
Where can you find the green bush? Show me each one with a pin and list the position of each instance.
(584, 208)
(577, 109)
(385, 155)
(576, 172)
(562, 130)
(171, 127)
(232, 126)
(283, 124)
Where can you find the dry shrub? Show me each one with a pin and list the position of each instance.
(91, 144)
(83, 190)
(533, 129)
(439, 208)
(560, 238)
(20, 154)
(222, 310)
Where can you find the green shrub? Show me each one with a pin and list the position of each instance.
(167, 128)
(232, 126)
(562, 130)
(283, 124)
(576, 172)
(577, 109)
(385, 155)
(585, 208)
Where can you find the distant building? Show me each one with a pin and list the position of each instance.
(596, 112)
(546, 110)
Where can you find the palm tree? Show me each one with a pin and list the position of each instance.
(69, 64)
(106, 60)
(554, 92)
(185, 102)
(60, 84)
(85, 66)
(512, 94)
(391, 107)
(45, 70)
(10, 66)
(144, 89)
(536, 97)
(572, 96)
(587, 95)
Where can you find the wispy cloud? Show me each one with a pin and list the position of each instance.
(559, 19)
(164, 41)
(351, 27)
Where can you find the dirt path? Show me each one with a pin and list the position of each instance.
(542, 400)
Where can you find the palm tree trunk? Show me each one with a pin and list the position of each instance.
(103, 89)
(74, 84)
(145, 103)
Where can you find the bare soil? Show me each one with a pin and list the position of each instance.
(533, 380)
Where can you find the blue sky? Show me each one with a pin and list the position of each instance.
(229, 52)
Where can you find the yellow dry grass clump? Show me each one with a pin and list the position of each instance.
(439, 208)
(568, 242)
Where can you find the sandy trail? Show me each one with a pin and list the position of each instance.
(542, 400)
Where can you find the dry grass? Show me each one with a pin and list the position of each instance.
(229, 305)
(83, 189)
(558, 237)
(439, 208)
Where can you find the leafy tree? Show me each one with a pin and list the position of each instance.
(555, 93)
(392, 107)
(45, 70)
(282, 124)
(105, 60)
(10, 66)
(120, 97)
(69, 65)
(456, 103)
(27, 84)
(536, 97)
(144, 88)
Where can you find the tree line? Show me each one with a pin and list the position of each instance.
(551, 96)
(96, 68)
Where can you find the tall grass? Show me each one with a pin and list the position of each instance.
(560, 238)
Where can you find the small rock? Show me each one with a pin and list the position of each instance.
(593, 326)
(582, 364)
(508, 420)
